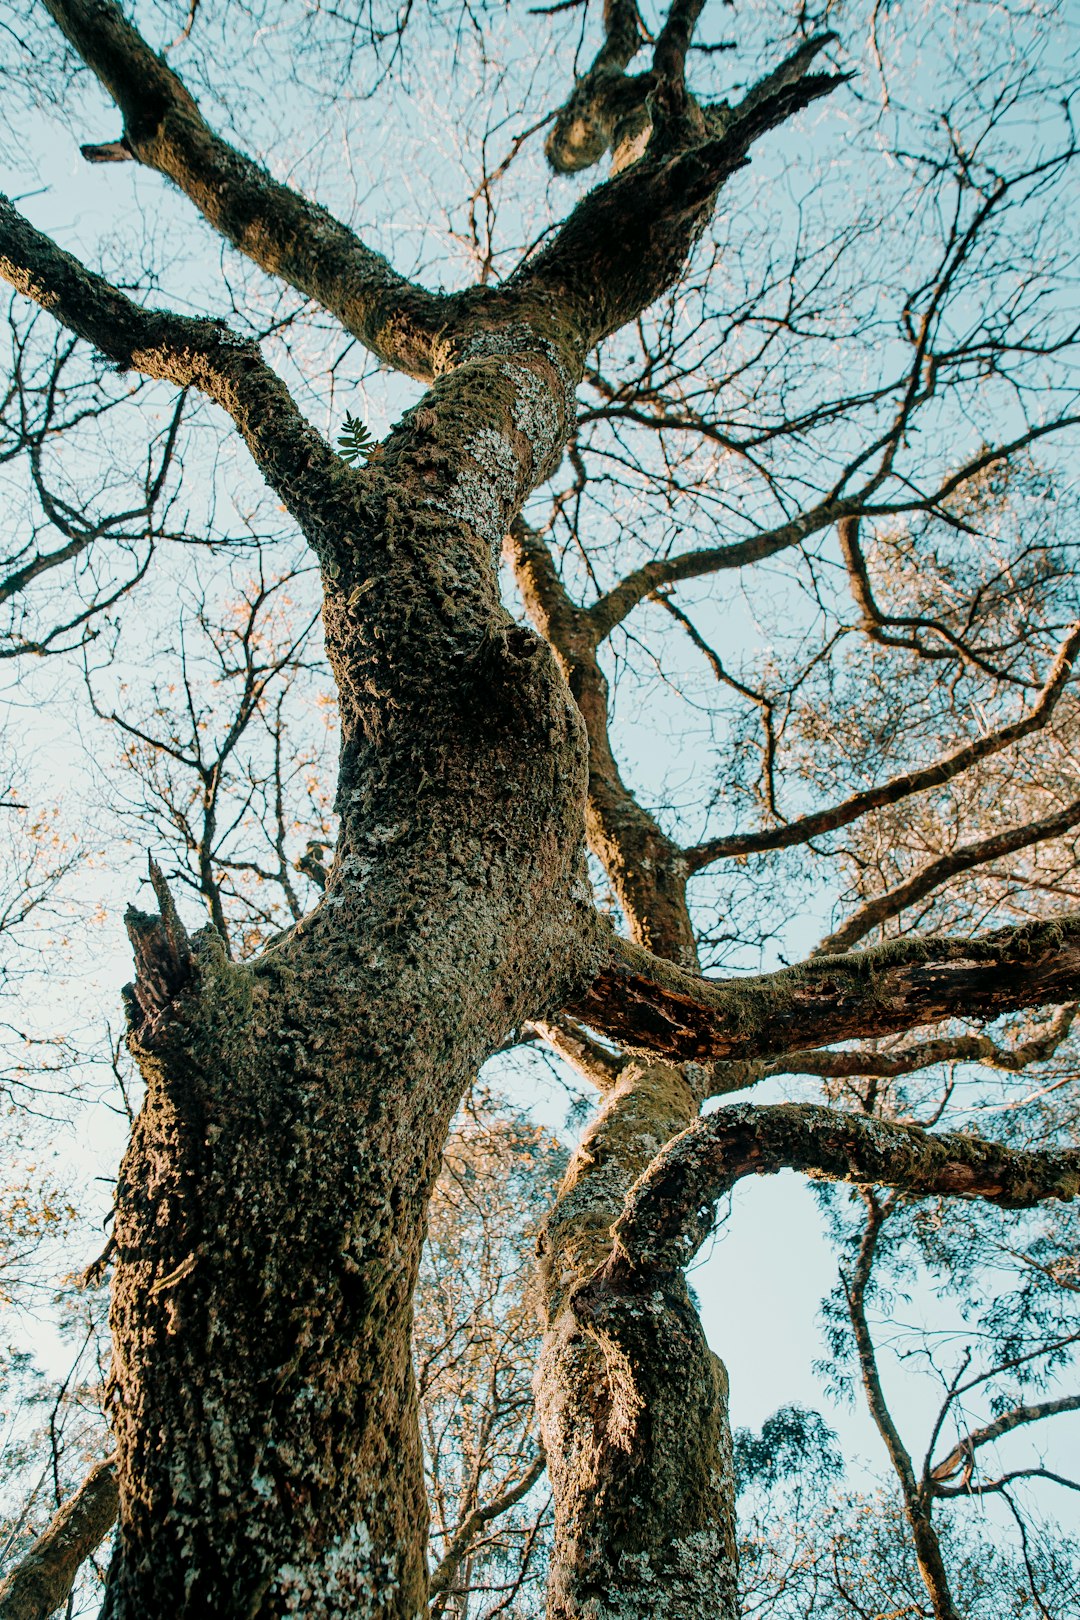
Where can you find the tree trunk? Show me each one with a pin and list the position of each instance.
(632, 1402)
(271, 1204)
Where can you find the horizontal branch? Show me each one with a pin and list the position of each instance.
(41, 1582)
(992, 1487)
(900, 787)
(964, 858)
(670, 1210)
(648, 1005)
(282, 232)
(617, 604)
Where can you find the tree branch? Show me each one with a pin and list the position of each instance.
(606, 104)
(203, 354)
(581, 1050)
(916, 1507)
(442, 1576)
(670, 1210)
(628, 239)
(963, 1453)
(995, 1485)
(931, 876)
(284, 233)
(649, 1005)
(900, 787)
(645, 868)
(41, 1582)
(832, 1065)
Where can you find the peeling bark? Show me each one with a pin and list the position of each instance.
(652, 1006)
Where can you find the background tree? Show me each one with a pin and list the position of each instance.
(838, 377)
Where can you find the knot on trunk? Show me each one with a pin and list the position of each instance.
(164, 962)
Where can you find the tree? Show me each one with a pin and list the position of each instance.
(870, 384)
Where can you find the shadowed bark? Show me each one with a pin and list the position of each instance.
(633, 1406)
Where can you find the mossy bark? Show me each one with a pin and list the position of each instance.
(271, 1204)
(632, 1402)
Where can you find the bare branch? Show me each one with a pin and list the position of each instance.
(645, 868)
(830, 1065)
(977, 852)
(627, 240)
(581, 1050)
(192, 353)
(284, 233)
(670, 1210)
(916, 1508)
(963, 1453)
(442, 1577)
(900, 787)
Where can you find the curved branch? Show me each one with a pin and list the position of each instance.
(900, 787)
(615, 605)
(41, 1582)
(606, 104)
(645, 867)
(284, 233)
(202, 354)
(649, 1005)
(916, 1508)
(1002, 1484)
(670, 1210)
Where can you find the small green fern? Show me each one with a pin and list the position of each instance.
(355, 443)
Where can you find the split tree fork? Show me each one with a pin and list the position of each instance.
(270, 1207)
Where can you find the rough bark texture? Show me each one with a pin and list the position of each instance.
(670, 1211)
(650, 1005)
(271, 1205)
(632, 1402)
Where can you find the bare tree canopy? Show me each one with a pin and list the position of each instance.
(641, 443)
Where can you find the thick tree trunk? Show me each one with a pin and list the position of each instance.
(272, 1202)
(271, 1211)
(271, 1205)
(632, 1401)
